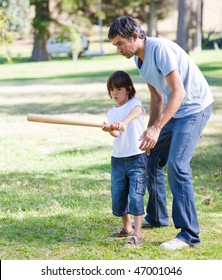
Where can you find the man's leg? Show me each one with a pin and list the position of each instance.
(186, 133)
(157, 214)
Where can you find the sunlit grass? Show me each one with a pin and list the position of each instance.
(55, 198)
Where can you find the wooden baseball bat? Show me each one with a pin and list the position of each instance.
(59, 120)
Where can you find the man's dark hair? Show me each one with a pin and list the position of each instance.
(121, 79)
(125, 26)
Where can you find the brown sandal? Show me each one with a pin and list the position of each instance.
(133, 242)
(120, 233)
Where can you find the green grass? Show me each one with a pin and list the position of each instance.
(210, 63)
(55, 180)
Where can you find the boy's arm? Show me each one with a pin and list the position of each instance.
(135, 113)
(107, 127)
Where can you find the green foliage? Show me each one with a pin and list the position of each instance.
(16, 12)
(6, 36)
(141, 8)
(42, 19)
(69, 5)
(212, 40)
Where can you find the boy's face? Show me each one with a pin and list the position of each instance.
(119, 95)
(126, 47)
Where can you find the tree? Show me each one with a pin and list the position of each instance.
(66, 16)
(197, 15)
(16, 12)
(40, 25)
(189, 28)
(183, 23)
(150, 11)
(13, 21)
(147, 11)
(5, 35)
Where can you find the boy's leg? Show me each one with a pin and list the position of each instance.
(138, 225)
(119, 191)
(135, 240)
(127, 223)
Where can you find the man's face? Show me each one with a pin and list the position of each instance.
(126, 47)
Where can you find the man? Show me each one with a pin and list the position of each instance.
(180, 106)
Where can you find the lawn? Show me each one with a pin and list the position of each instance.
(55, 180)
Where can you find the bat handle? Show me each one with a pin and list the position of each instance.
(123, 127)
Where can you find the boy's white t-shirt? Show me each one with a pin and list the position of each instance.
(127, 144)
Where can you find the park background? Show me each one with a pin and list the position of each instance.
(55, 180)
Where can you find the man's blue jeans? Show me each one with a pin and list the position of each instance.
(176, 146)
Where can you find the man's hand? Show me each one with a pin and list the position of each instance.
(149, 139)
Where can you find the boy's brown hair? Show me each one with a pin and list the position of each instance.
(121, 79)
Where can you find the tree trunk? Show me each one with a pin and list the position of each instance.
(41, 30)
(39, 52)
(184, 13)
(152, 21)
(199, 16)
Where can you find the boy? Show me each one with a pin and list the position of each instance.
(129, 162)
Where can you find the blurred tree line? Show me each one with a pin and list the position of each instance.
(77, 16)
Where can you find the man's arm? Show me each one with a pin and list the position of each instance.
(160, 118)
(156, 104)
(178, 93)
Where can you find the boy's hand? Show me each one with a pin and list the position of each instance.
(106, 127)
(117, 126)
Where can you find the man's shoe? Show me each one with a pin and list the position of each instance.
(145, 224)
(174, 244)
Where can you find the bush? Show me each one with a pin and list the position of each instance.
(212, 40)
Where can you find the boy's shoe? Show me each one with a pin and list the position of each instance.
(133, 242)
(120, 233)
(174, 244)
(145, 224)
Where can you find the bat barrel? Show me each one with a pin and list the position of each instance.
(59, 120)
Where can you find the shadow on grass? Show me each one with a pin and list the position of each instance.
(206, 68)
(83, 106)
(92, 75)
(89, 106)
(214, 81)
(60, 57)
(81, 151)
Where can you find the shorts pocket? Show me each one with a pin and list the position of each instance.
(141, 184)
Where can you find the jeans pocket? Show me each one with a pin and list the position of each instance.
(205, 118)
(141, 184)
